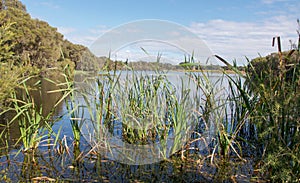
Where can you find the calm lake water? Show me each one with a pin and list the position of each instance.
(68, 162)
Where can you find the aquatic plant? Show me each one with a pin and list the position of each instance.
(268, 103)
(220, 103)
(32, 123)
(277, 118)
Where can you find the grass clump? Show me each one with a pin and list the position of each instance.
(267, 105)
(277, 117)
(32, 121)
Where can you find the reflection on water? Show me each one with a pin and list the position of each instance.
(186, 99)
(44, 97)
(45, 100)
(69, 162)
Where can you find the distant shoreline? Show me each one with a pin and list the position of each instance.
(204, 71)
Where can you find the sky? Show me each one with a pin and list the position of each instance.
(235, 29)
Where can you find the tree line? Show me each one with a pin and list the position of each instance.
(30, 47)
(27, 41)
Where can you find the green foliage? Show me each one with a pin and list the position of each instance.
(150, 103)
(34, 42)
(267, 68)
(227, 109)
(73, 108)
(263, 110)
(276, 114)
(16, 4)
(268, 104)
(31, 46)
(10, 78)
(32, 122)
(8, 81)
(6, 45)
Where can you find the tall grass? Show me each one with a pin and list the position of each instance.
(32, 123)
(138, 108)
(238, 114)
(277, 117)
(221, 103)
(267, 114)
(75, 111)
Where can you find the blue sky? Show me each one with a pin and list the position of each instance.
(233, 29)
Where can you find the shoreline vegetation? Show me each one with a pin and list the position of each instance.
(257, 123)
(26, 51)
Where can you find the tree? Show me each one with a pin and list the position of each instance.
(5, 4)
(35, 42)
(6, 43)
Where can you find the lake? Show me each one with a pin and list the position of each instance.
(124, 126)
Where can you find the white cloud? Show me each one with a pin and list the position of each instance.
(235, 40)
(271, 1)
(149, 51)
(50, 5)
(99, 30)
(85, 40)
(66, 30)
(230, 39)
(83, 37)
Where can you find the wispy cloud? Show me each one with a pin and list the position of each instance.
(50, 5)
(230, 39)
(85, 40)
(66, 30)
(83, 37)
(271, 1)
(235, 40)
(99, 30)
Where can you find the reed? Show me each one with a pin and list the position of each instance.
(142, 108)
(213, 109)
(32, 123)
(75, 111)
(225, 106)
(277, 117)
(69, 97)
(256, 110)
(266, 114)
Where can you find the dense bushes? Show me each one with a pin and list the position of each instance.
(276, 87)
(30, 46)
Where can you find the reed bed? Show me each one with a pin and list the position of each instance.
(233, 121)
